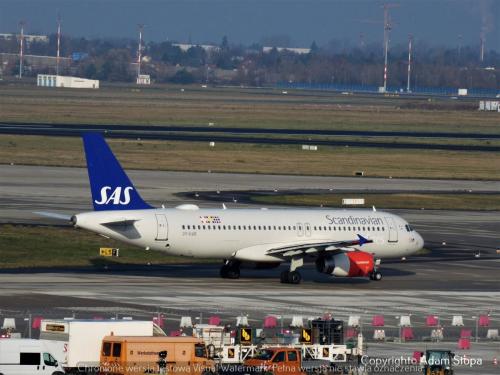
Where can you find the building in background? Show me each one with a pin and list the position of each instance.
(51, 80)
(143, 79)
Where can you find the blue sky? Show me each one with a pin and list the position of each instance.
(247, 21)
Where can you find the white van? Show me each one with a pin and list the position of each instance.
(27, 357)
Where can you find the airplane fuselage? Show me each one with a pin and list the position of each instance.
(241, 233)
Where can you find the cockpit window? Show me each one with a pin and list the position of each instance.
(409, 228)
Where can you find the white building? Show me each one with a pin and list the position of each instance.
(144, 79)
(299, 51)
(51, 80)
(186, 46)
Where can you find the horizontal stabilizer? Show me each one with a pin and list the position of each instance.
(53, 215)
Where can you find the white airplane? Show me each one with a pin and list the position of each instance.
(345, 243)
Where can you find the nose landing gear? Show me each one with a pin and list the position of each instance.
(375, 276)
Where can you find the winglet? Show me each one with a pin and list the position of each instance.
(363, 240)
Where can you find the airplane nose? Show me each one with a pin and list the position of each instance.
(419, 241)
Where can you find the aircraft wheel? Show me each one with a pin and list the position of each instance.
(377, 276)
(284, 277)
(294, 277)
(234, 273)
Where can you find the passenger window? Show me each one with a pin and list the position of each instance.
(239, 227)
(259, 227)
(279, 357)
(49, 360)
(314, 228)
(292, 356)
(294, 227)
(224, 227)
(183, 227)
(29, 359)
(203, 227)
(199, 226)
(254, 227)
(274, 227)
(117, 349)
(349, 228)
(106, 349)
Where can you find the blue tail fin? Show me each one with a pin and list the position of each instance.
(111, 187)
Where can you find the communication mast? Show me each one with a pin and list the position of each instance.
(481, 52)
(139, 51)
(21, 46)
(58, 43)
(387, 29)
(410, 40)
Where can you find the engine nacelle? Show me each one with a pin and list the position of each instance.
(347, 264)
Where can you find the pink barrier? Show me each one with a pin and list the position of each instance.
(175, 333)
(465, 333)
(378, 321)
(270, 322)
(484, 321)
(464, 344)
(407, 333)
(37, 322)
(351, 332)
(431, 321)
(416, 356)
(214, 320)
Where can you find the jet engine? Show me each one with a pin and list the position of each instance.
(347, 264)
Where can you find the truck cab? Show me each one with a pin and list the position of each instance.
(277, 361)
(27, 357)
(133, 355)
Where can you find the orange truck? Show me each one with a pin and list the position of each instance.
(282, 361)
(133, 355)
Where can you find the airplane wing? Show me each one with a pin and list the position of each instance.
(317, 247)
(279, 252)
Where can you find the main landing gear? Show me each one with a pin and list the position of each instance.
(292, 276)
(230, 270)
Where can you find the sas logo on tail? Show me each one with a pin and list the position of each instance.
(116, 195)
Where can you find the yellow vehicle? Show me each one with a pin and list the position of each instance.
(131, 355)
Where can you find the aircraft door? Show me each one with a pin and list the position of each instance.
(300, 229)
(308, 229)
(393, 230)
(162, 228)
